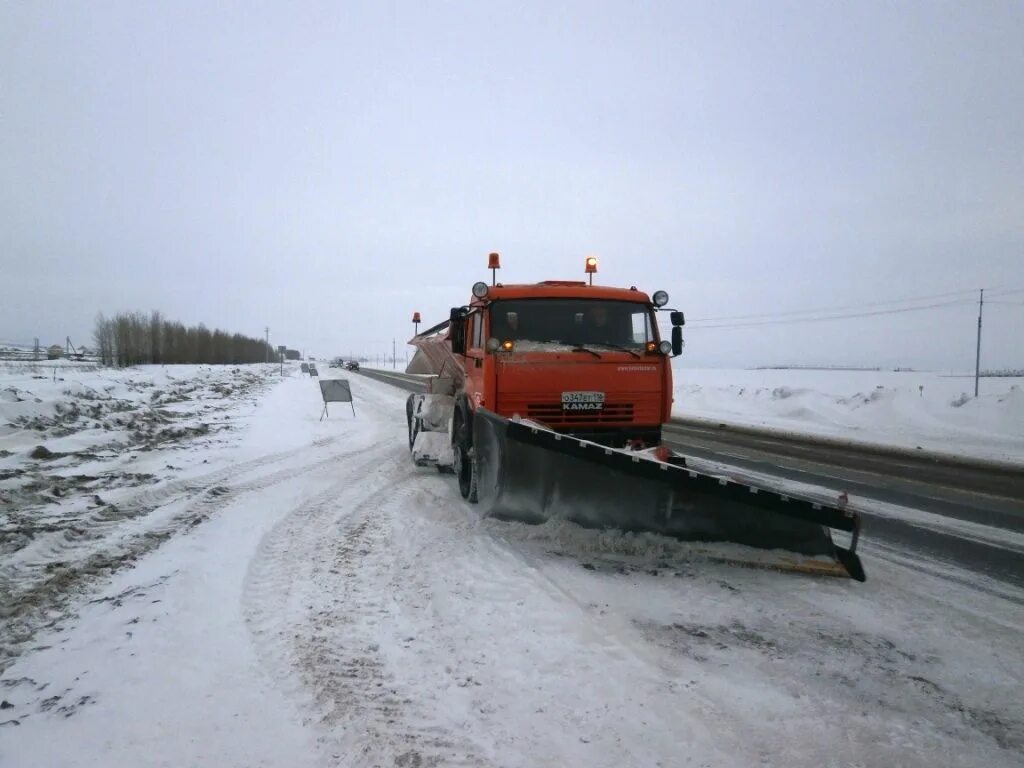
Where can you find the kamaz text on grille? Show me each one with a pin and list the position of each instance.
(582, 401)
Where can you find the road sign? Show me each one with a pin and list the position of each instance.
(336, 391)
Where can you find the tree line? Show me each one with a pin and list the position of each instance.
(135, 338)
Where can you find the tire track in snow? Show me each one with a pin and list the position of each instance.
(533, 664)
(315, 603)
(61, 542)
(38, 594)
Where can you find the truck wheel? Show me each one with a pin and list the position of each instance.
(410, 406)
(465, 469)
(414, 429)
(465, 463)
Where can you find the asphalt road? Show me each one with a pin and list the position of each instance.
(990, 496)
(947, 491)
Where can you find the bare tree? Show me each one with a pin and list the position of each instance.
(133, 338)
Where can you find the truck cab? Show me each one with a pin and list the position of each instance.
(580, 359)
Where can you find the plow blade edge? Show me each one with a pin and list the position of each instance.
(531, 474)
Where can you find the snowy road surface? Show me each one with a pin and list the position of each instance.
(307, 597)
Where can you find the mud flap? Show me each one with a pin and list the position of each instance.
(531, 474)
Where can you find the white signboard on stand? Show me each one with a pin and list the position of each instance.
(336, 391)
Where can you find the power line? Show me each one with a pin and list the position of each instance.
(830, 311)
(861, 305)
(823, 318)
(1006, 292)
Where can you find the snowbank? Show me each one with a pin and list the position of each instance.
(911, 409)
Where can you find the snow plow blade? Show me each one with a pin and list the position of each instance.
(528, 473)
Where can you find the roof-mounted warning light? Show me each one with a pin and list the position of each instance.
(416, 322)
(591, 267)
(493, 264)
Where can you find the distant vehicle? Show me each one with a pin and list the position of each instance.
(304, 367)
(352, 365)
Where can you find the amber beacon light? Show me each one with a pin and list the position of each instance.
(591, 267)
(493, 264)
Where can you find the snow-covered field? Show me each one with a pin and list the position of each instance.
(933, 411)
(278, 591)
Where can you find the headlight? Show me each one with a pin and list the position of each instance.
(480, 290)
(665, 347)
(493, 345)
(660, 298)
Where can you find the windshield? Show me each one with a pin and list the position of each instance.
(572, 322)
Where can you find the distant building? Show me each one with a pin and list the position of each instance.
(292, 354)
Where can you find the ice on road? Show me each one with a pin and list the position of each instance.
(299, 594)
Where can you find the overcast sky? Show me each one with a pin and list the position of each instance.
(326, 169)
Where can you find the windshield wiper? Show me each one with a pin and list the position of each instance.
(581, 348)
(633, 352)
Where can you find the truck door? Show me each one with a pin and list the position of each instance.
(475, 340)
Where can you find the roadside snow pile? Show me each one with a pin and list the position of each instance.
(907, 409)
(79, 444)
(85, 413)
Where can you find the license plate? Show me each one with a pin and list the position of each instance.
(582, 401)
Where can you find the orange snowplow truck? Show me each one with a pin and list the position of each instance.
(581, 359)
(548, 399)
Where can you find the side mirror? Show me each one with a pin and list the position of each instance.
(677, 318)
(677, 340)
(457, 330)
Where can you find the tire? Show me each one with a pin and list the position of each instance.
(465, 461)
(465, 471)
(410, 406)
(414, 429)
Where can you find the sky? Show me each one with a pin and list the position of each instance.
(326, 169)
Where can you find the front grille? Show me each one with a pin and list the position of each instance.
(553, 415)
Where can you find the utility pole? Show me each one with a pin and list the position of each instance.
(392, 354)
(977, 352)
(267, 331)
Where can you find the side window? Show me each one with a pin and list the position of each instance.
(641, 328)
